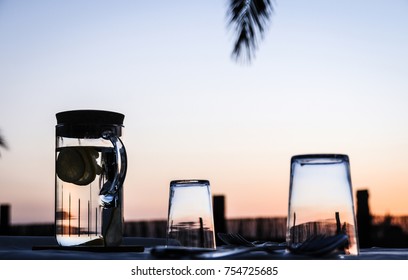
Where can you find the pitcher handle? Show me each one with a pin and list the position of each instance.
(110, 190)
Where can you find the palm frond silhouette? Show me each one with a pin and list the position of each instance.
(3, 143)
(249, 19)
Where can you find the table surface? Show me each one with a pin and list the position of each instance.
(21, 248)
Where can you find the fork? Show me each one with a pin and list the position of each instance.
(235, 239)
(317, 245)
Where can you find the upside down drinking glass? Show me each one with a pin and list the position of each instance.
(321, 200)
(190, 215)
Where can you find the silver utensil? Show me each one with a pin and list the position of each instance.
(235, 239)
(238, 246)
(318, 245)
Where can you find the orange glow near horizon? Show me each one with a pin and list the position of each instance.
(269, 200)
(193, 113)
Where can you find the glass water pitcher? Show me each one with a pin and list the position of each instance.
(90, 168)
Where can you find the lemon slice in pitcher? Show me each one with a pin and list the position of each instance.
(78, 165)
(89, 156)
(70, 165)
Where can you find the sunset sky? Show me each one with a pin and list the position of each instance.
(329, 77)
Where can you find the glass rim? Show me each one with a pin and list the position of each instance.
(320, 158)
(189, 182)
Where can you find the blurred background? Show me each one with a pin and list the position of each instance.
(328, 77)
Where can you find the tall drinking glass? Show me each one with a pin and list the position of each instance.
(190, 214)
(90, 168)
(321, 200)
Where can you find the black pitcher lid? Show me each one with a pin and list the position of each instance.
(90, 117)
(88, 123)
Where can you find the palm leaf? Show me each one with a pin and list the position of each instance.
(248, 18)
(3, 142)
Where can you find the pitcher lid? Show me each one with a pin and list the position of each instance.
(90, 117)
(88, 123)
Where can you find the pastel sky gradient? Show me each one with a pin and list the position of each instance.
(329, 77)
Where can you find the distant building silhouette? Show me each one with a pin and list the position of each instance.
(220, 224)
(364, 219)
(5, 224)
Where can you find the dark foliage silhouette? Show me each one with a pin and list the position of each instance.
(3, 143)
(248, 19)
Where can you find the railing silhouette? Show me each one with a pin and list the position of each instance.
(385, 231)
(254, 228)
